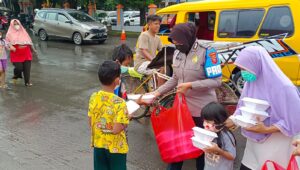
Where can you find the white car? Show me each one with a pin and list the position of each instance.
(110, 19)
(131, 18)
(101, 15)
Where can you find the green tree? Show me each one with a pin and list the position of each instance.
(110, 5)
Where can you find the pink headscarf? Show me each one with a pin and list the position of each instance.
(20, 36)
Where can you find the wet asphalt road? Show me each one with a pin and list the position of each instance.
(45, 126)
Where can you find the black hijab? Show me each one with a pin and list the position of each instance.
(184, 34)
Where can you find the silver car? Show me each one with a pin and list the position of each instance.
(70, 24)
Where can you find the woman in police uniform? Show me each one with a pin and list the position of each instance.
(190, 78)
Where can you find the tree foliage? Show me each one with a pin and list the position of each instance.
(130, 4)
(110, 5)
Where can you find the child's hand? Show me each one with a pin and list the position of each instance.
(261, 128)
(213, 149)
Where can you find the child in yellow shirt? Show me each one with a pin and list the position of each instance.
(108, 120)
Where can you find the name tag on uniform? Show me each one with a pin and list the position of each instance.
(212, 65)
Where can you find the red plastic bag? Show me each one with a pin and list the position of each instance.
(173, 132)
(293, 165)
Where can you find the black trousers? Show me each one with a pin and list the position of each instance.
(24, 68)
(199, 161)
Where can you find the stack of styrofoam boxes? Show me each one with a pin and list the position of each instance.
(254, 110)
(203, 138)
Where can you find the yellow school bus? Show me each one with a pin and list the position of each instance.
(241, 21)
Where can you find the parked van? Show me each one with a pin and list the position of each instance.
(241, 21)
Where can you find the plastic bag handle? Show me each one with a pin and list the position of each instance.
(293, 165)
(177, 99)
(276, 166)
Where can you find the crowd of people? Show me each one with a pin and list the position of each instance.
(271, 139)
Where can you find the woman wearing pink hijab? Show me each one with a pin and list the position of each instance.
(21, 58)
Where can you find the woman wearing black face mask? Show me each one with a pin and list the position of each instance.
(189, 77)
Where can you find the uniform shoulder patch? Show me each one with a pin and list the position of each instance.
(212, 65)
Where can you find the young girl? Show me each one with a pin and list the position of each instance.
(271, 139)
(221, 155)
(3, 60)
(123, 56)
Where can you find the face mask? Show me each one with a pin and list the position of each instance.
(124, 69)
(17, 27)
(0, 36)
(182, 48)
(209, 126)
(247, 76)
